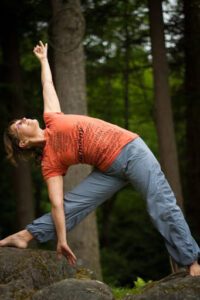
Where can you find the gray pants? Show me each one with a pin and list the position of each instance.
(135, 164)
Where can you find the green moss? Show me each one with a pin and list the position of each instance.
(82, 273)
(139, 286)
(120, 293)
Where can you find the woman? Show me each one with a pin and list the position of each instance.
(119, 156)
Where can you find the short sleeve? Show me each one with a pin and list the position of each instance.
(48, 172)
(50, 117)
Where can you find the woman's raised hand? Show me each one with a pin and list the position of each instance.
(40, 51)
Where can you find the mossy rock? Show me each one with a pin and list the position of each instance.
(25, 271)
(179, 286)
(75, 289)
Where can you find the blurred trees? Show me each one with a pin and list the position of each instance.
(119, 90)
(192, 97)
(13, 100)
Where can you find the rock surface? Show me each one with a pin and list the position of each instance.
(75, 289)
(179, 286)
(25, 272)
(38, 275)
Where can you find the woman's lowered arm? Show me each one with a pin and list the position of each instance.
(55, 191)
(51, 101)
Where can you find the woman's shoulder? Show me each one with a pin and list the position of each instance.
(51, 115)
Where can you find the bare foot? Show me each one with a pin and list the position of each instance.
(194, 269)
(19, 240)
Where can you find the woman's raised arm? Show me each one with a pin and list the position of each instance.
(51, 101)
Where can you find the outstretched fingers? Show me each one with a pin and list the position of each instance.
(41, 44)
(70, 256)
(40, 50)
(44, 46)
(67, 253)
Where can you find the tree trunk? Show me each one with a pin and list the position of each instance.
(192, 92)
(163, 110)
(22, 181)
(126, 73)
(69, 77)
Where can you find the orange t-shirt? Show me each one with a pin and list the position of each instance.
(73, 139)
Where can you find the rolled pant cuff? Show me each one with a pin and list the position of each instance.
(38, 235)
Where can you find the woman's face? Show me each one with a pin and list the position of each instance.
(25, 128)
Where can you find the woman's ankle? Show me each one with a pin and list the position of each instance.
(26, 235)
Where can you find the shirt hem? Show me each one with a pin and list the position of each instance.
(103, 167)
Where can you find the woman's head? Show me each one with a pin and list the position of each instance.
(21, 139)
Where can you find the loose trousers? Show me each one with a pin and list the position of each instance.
(137, 165)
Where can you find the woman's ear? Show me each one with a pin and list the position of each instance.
(23, 143)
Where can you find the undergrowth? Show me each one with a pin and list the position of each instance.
(139, 284)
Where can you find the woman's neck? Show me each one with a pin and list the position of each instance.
(39, 140)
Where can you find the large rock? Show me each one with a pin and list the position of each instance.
(23, 272)
(75, 289)
(179, 286)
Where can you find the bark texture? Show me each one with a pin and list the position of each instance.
(69, 75)
(163, 109)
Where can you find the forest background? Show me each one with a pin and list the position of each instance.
(121, 88)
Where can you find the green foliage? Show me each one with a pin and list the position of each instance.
(130, 246)
(140, 283)
(119, 292)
